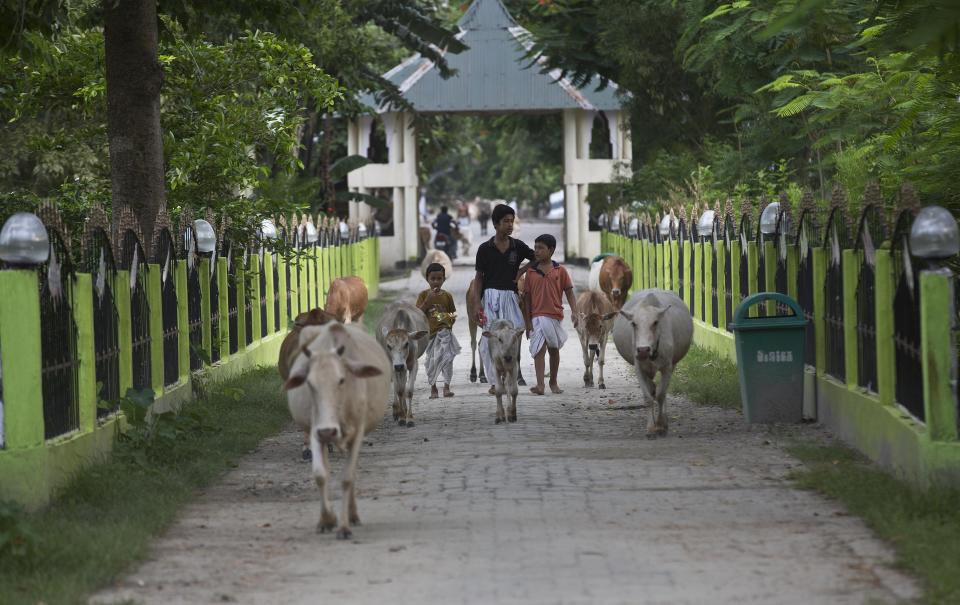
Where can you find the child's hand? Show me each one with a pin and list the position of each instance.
(481, 318)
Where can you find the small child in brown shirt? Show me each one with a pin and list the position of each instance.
(438, 306)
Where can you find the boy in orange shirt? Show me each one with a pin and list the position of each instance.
(546, 283)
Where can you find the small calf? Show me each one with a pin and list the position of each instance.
(503, 340)
(595, 320)
(401, 331)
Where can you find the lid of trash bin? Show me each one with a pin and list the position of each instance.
(742, 321)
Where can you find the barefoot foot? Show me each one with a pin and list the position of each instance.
(555, 388)
(536, 390)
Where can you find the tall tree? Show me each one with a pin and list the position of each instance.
(134, 80)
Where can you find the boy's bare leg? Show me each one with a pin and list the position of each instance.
(554, 371)
(538, 366)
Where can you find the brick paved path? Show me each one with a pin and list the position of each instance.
(569, 505)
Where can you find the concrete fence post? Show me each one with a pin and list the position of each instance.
(937, 349)
(282, 293)
(222, 304)
(253, 261)
(155, 324)
(753, 273)
(721, 285)
(206, 338)
(770, 274)
(736, 253)
(884, 291)
(820, 307)
(121, 299)
(81, 302)
(20, 354)
(183, 319)
(271, 294)
(708, 283)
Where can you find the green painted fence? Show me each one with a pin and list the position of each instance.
(881, 359)
(33, 464)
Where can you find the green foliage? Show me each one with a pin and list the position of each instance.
(17, 539)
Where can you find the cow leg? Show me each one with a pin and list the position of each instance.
(473, 352)
(666, 374)
(349, 513)
(600, 362)
(648, 391)
(328, 519)
(411, 380)
(397, 399)
(512, 388)
(587, 364)
(501, 416)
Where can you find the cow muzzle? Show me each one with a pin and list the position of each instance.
(327, 435)
(643, 353)
(508, 358)
(615, 291)
(398, 367)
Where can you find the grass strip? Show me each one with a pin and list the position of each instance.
(102, 523)
(923, 526)
(708, 379)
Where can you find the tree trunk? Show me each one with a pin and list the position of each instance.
(134, 79)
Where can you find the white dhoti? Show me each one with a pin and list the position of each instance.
(548, 332)
(498, 304)
(441, 351)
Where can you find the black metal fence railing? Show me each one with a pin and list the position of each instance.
(233, 306)
(870, 230)
(58, 341)
(835, 363)
(134, 261)
(730, 235)
(166, 255)
(277, 293)
(906, 321)
(807, 236)
(99, 263)
(263, 293)
(248, 300)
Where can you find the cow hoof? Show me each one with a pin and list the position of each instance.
(521, 382)
(409, 424)
(602, 386)
(473, 376)
(344, 533)
(652, 435)
(498, 421)
(403, 422)
(355, 520)
(326, 524)
(511, 418)
(483, 380)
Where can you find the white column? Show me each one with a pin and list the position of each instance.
(411, 219)
(584, 133)
(411, 223)
(571, 193)
(583, 218)
(399, 232)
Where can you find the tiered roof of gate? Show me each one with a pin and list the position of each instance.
(493, 75)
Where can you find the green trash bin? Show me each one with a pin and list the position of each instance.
(770, 355)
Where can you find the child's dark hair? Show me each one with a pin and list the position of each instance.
(436, 267)
(501, 211)
(547, 240)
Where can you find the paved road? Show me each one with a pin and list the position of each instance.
(569, 505)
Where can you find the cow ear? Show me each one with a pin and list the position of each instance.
(363, 370)
(308, 334)
(298, 373)
(628, 316)
(417, 335)
(662, 311)
(487, 333)
(610, 316)
(384, 330)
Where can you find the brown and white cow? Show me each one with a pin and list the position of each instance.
(402, 331)
(347, 299)
(595, 315)
(337, 389)
(612, 276)
(503, 338)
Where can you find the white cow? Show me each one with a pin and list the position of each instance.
(503, 340)
(402, 331)
(338, 389)
(653, 332)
